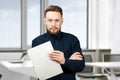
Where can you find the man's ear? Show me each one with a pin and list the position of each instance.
(62, 20)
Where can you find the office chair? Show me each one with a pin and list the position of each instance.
(89, 72)
(111, 58)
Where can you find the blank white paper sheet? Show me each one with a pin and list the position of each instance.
(44, 67)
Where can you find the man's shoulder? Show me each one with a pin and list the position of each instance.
(39, 40)
(40, 37)
(69, 35)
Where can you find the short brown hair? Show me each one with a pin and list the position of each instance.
(54, 8)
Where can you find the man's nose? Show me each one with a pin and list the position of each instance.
(53, 23)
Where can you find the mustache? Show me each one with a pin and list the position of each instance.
(54, 28)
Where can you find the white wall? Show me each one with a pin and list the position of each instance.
(99, 24)
(104, 33)
(115, 29)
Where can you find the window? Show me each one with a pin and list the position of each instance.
(75, 18)
(10, 24)
(33, 20)
(14, 33)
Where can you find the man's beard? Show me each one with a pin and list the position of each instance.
(52, 33)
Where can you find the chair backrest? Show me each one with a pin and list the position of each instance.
(87, 69)
(89, 57)
(111, 57)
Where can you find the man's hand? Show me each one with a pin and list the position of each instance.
(76, 56)
(58, 56)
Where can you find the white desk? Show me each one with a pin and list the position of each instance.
(103, 65)
(25, 68)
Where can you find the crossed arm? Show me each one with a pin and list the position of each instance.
(59, 56)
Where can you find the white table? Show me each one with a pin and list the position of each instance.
(104, 65)
(25, 68)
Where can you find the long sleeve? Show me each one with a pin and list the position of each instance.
(74, 65)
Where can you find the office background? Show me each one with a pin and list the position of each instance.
(94, 22)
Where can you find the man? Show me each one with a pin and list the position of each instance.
(67, 51)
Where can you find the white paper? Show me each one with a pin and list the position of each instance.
(43, 65)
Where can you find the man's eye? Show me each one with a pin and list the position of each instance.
(50, 20)
(57, 20)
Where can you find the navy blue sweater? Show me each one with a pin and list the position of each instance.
(68, 44)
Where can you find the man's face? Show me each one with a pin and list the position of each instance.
(53, 22)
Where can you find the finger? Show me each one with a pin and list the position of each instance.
(79, 58)
(55, 54)
(58, 52)
(77, 53)
(55, 58)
